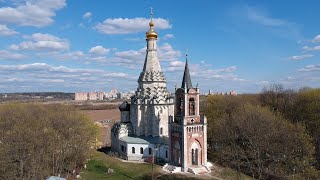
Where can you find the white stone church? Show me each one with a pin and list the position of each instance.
(159, 124)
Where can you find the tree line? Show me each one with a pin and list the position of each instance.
(37, 141)
(272, 135)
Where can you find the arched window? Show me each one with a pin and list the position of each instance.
(166, 154)
(141, 150)
(133, 150)
(150, 151)
(179, 105)
(161, 131)
(192, 107)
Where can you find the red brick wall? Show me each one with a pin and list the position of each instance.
(190, 140)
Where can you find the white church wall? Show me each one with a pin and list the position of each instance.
(159, 152)
(136, 156)
(163, 152)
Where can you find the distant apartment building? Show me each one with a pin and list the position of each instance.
(92, 96)
(84, 96)
(81, 96)
(230, 93)
(100, 96)
(113, 94)
(126, 95)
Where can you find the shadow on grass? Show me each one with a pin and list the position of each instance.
(161, 176)
(129, 177)
(110, 152)
(105, 149)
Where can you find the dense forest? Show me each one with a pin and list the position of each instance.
(271, 135)
(38, 140)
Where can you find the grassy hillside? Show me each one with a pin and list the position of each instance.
(97, 168)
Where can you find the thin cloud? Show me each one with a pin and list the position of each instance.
(301, 57)
(314, 48)
(7, 55)
(75, 55)
(277, 25)
(316, 39)
(46, 77)
(37, 13)
(167, 53)
(258, 16)
(310, 68)
(42, 42)
(5, 31)
(168, 36)
(128, 26)
(176, 64)
(99, 50)
(87, 15)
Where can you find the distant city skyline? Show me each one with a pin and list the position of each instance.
(85, 46)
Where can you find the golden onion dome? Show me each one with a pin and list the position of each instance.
(151, 33)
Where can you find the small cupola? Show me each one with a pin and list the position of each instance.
(125, 106)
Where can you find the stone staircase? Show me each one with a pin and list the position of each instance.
(171, 168)
(198, 170)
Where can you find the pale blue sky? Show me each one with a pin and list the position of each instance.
(92, 45)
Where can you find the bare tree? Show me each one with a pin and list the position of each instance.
(42, 140)
(257, 141)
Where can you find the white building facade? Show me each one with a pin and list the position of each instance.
(143, 130)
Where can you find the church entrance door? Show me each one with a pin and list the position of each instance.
(177, 153)
(195, 153)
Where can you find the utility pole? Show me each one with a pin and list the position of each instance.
(153, 161)
(152, 164)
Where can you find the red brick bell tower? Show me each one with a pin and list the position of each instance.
(188, 130)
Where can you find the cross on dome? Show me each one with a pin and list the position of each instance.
(151, 34)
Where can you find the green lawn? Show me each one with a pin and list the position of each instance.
(98, 166)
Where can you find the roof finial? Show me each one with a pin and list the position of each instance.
(186, 81)
(187, 51)
(151, 34)
(151, 20)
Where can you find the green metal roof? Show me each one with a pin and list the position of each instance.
(144, 140)
(134, 140)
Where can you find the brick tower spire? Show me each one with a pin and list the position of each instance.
(186, 81)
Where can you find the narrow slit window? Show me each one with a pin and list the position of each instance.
(192, 107)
